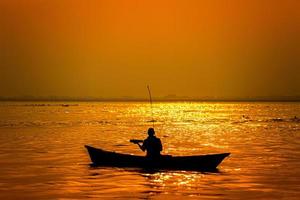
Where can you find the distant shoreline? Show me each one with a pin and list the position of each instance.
(147, 100)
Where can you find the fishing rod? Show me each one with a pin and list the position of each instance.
(150, 98)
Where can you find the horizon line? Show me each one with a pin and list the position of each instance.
(160, 99)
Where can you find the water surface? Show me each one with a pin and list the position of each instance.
(42, 154)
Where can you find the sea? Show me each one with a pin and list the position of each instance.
(42, 154)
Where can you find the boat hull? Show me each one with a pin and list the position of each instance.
(101, 157)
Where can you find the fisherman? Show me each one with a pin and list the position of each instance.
(151, 144)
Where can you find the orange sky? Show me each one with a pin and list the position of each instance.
(114, 48)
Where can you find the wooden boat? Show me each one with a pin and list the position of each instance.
(209, 162)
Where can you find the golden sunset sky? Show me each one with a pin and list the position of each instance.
(114, 48)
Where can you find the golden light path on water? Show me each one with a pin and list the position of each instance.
(42, 153)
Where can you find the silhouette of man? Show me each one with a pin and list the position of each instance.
(151, 144)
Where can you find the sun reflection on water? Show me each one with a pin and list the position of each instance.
(178, 180)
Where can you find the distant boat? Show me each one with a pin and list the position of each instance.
(208, 162)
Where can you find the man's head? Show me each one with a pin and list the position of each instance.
(151, 131)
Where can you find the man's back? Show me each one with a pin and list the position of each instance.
(153, 146)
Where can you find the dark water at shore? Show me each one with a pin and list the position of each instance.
(42, 154)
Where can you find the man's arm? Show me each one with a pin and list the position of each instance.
(160, 145)
(142, 147)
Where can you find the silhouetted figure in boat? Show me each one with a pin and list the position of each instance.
(151, 144)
